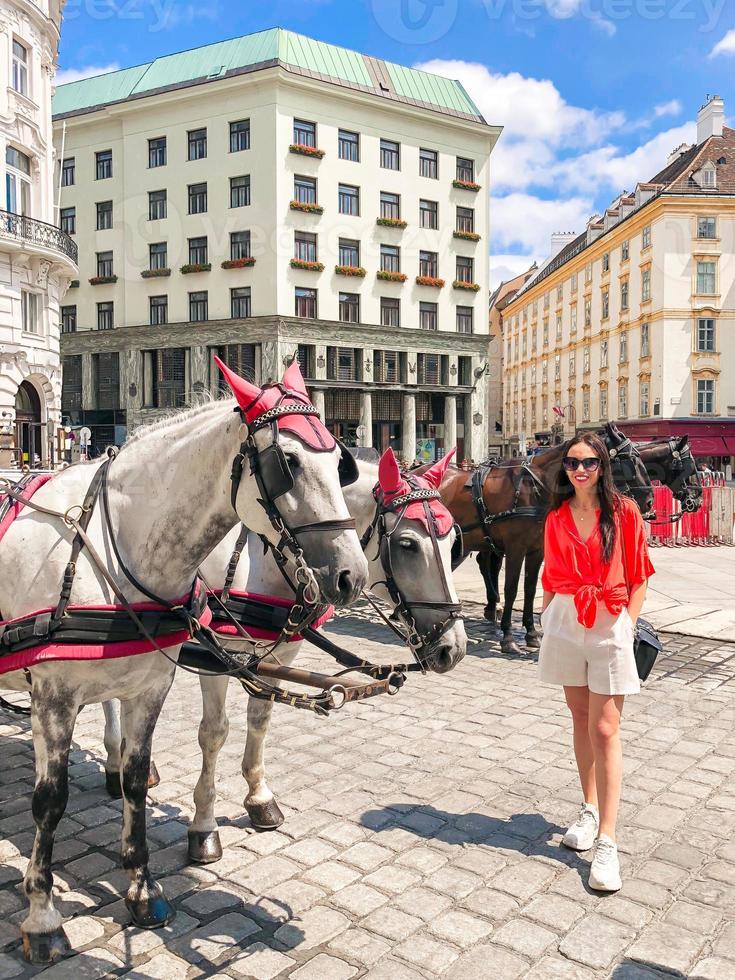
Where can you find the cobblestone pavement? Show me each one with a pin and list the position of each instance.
(421, 836)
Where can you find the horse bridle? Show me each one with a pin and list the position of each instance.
(420, 644)
(685, 466)
(623, 457)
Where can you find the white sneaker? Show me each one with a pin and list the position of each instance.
(583, 832)
(605, 870)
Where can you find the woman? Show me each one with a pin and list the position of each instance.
(595, 577)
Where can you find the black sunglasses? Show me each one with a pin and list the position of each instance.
(589, 463)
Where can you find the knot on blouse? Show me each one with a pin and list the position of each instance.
(588, 597)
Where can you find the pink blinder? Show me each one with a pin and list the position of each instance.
(393, 484)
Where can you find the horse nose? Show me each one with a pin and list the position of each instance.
(347, 587)
(444, 657)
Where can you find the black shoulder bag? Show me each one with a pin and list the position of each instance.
(646, 644)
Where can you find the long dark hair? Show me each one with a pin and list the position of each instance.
(609, 497)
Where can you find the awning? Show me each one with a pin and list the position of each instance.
(710, 445)
(729, 444)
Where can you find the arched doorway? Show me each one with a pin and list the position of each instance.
(28, 424)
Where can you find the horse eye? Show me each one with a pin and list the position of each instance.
(293, 460)
(408, 544)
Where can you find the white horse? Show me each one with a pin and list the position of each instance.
(169, 503)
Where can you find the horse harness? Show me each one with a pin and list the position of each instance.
(684, 467)
(487, 520)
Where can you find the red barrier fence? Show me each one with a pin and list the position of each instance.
(711, 526)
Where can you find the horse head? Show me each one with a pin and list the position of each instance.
(628, 469)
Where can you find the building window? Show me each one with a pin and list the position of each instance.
(428, 369)
(20, 68)
(304, 133)
(645, 285)
(546, 332)
(165, 377)
(105, 316)
(585, 405)
(349, 253)
(623, 346)
(428, 264)
(466, 169)
(605, 303)
(706, 335)
(390, 312)
(349, 200)
(197, 143)
(158, 310)
(560, 292)
(646, 237)
(304, 189)
(104, 264)
(30, 309)
(705, 396)
(625, 251)
(104, 215)
(239, 245)
(559, 323)
(588, 273)
(624, 295)
(465, 268)
(706, 278)
(706, 228)
(305, 359)
(623, 401)
(428, 214)
(466, 222)
(68, 172)
(644, 406)
(103, 164)
(349, 308)
(603, 353)
(68, 319)
(606, 262)
(239, 135)
(645, 339)
(348, 145)
(557, 367)
(240, 306)
(428, 163)
(464, 319)
(158, 255)
(603, 403)
(428, 316)
(544, 371)
(708, 176)
(390, 258)
(198, 251)
(390, 155)
(157, 152)
(239, 192)
(587, 313)
(390, 205)
(385, 366)
(586, 359)
(306, 304)
(197, 198)
(106, 375)
(68, 221)
(157, 205)
(341, 364)
(198, 307)
(305, 246)
(572, 364)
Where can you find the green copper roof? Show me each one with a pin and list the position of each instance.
(294, 52)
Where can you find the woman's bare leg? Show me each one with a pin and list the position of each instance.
(604, 734)
(578, 701)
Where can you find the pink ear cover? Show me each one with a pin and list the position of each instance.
(294, 380)
(435, 474)
(393, 484)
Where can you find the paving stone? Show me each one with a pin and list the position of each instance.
(356, 944)
(316, 926)
(554, 911)
(724, 945)
(696, 918)
(216, 941)
(212, 899)
(453, 881)
(645, 892)
(89, 965)
(10, 966)
(264, 874)
(332, 875)
(425, 952)
(135, 942)
(325, 967)
(525, 937)
(712, 968)
(358, 899)
(524, 881)
(667, 947)
(390, 969)
(629, 913)
(260, 962)
(551, 968)
(496, 906)
(423, 902)
(309, 851)
(596, 941)
(424, 859)
(392, 879)
(163, 966)
(392, 923)
(487, 961)
(460, 928)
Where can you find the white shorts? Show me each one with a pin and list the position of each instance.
(600, 658)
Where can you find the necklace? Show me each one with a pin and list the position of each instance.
(584, 513)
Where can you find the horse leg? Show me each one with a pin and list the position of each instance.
(145, 900)
(513, 564)
(204, 842)
(533, 567)
(52, 721)
(484, 562)
(113, 739)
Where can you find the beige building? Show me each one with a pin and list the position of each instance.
(37, 260)
(274, 197)
(634, 318)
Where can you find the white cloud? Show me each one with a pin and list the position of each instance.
(565, 9)
(505, 267)
(726, 45)
(671, 108)
(65, 75)
(524, 222)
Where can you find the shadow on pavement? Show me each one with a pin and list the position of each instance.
(646, 970)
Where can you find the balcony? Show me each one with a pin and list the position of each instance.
(36, 235)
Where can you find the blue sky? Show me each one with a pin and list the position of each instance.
(593, 94)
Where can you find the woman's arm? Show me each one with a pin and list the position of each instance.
(637, 598)
(548, 596)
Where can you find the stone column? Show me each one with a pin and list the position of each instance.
(320, 361)
(409, 427)
(199, 369)
(89, 400)
(131, 385)
(366, 419)
(317, 400)
(450, 422)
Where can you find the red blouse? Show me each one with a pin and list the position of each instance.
(574, 567)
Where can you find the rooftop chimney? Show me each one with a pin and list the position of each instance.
(710, 119)
(559, 240)
(677, 152)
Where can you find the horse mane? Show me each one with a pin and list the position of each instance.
(205, 405)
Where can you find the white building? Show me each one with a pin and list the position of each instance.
(270, 197)
(634, 319)
(37, 260)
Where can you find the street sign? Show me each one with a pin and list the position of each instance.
(85, 436)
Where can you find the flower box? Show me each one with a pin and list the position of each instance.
(350, 270)
(472, 286)
(242, 263)
(74, 284)
(392, 222)
(392, 276)
(307, 266)
(155, 273)
(430, 281)
(306, 151)
(466, 185)
(308, 208)
(102, 280)
(195, 267)
(467, 236)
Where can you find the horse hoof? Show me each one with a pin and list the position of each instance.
(489, 614)
(533, 641)
(510, 646)
(154, 912)
(153, 778)
(265, 816)
(113, 785)
(45, 947)
(205, 846)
